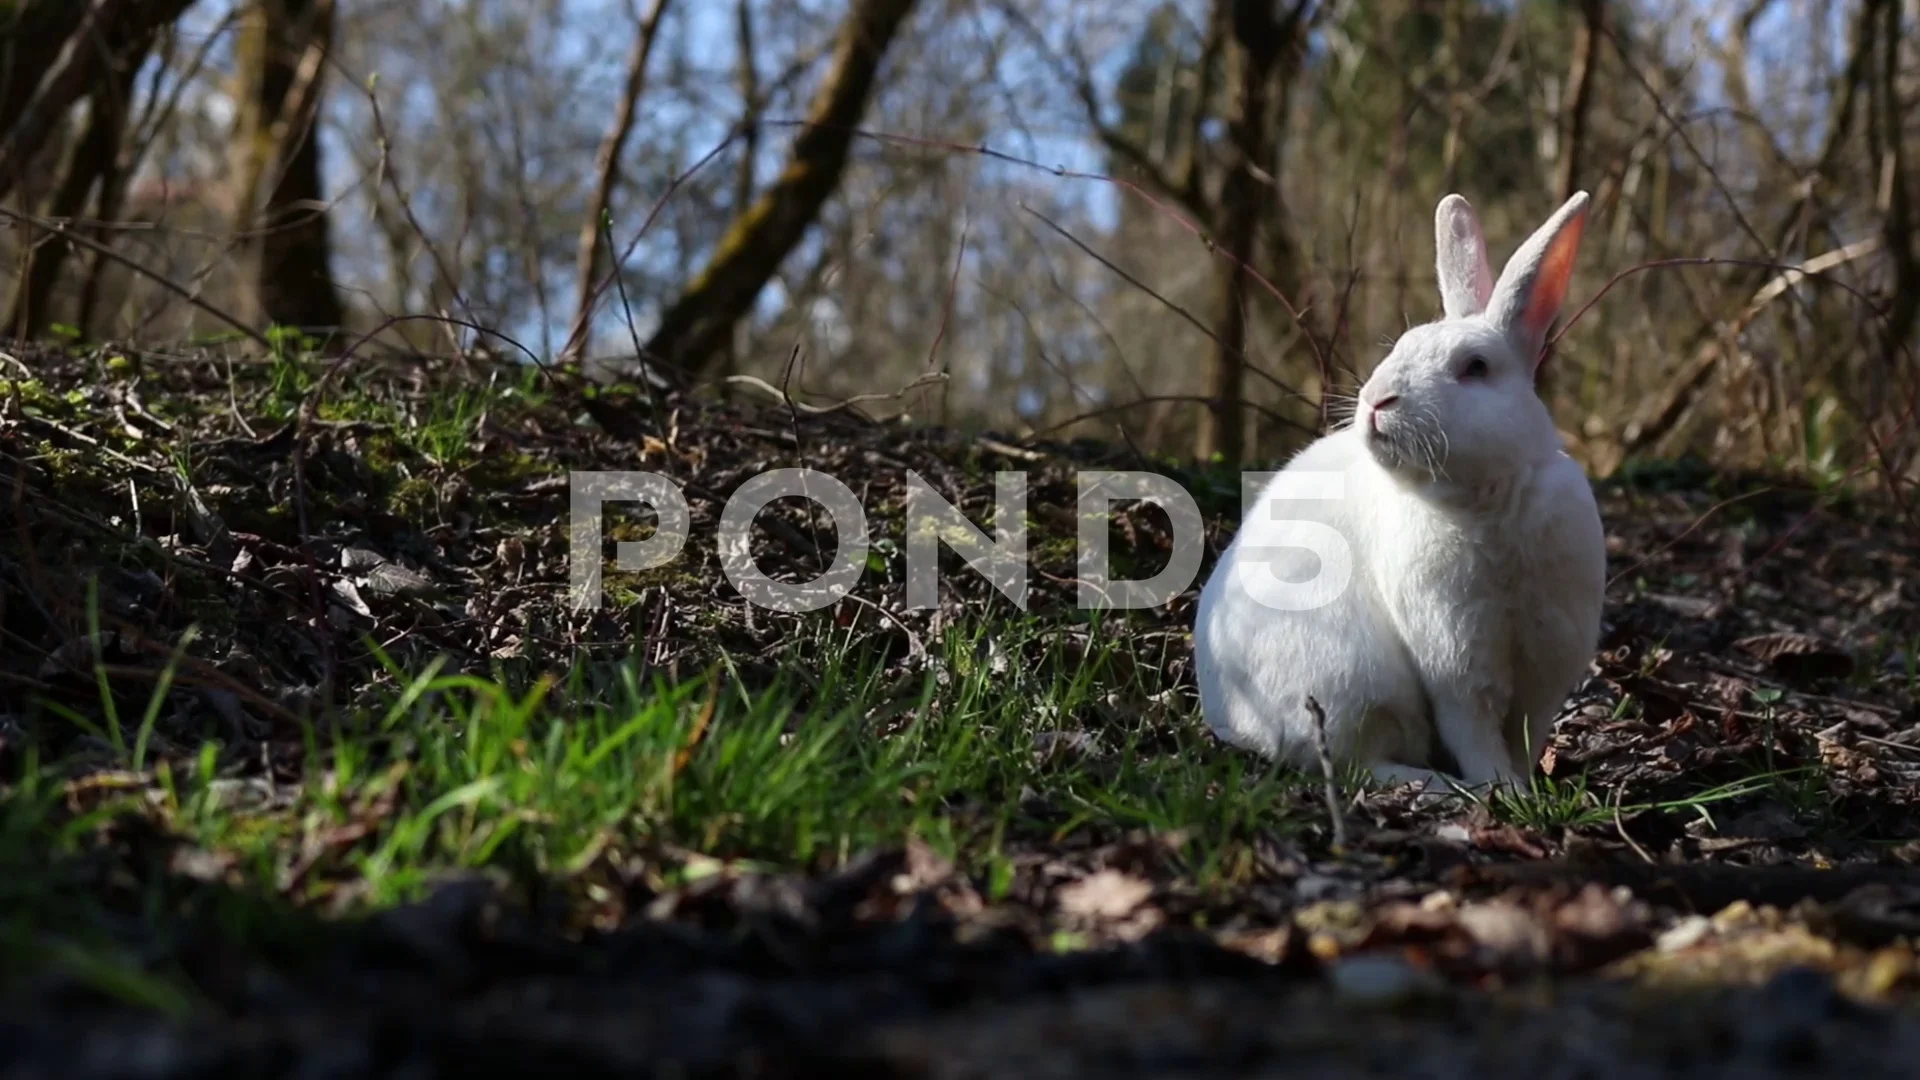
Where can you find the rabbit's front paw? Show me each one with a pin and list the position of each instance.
(1393, 774)
(1507, 782)
(1431, 787)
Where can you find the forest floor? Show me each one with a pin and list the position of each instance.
(308, 766)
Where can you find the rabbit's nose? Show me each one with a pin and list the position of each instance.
(1373, 414)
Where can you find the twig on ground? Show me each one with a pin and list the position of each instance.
(1620, 827)
(1334, 815)
(1017, 453)
(915, 647)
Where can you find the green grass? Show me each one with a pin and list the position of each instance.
(1549, 804)
(604, 776)
(602, 771)
(566, 778)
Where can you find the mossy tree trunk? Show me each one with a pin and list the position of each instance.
(697, 326)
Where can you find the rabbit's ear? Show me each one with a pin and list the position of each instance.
(1534, 283)
(1460, 255)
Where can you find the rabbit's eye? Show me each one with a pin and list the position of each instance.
(1476, 368)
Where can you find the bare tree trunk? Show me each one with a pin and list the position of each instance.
(135, 141)
(1586, 34)
(1707, 346)
(693, 329)
(1898, 229)
(88, 162)
(1453, 38)
(52, 57)
(57, 57)
(750, 104)
(606, 169)
(32, 36)
(281, 62)
(1577, 106)
(1258, 36)
(1249, 39)
(743, 177)
(113, 194)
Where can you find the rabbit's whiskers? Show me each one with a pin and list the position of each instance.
(1420, 441)
(1438, 446)
(1342, 410)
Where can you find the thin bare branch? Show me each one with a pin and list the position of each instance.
(606, 166)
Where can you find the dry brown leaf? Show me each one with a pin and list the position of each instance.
(1104, 894)
(1506, 930)
(1508, 838)
(1798, 656)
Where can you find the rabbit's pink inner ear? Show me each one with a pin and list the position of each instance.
(1549, 289)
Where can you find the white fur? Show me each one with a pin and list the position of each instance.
(1478, 560)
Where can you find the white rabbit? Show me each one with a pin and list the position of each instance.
(1461, 562)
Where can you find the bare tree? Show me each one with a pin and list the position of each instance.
(1580, 82)
(54, 51)
(1258, 42)
(695, 327)
(281, 68)
(606, 166)
(88, 163)
(1900, 233)
(1260, 36)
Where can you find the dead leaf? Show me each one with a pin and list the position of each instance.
(1507, 838)
(1506, 930)
(925, 868)
(1104, 894)
(1401, 920)
(392, 579)
(1598, 926)
(1269, 946)
(201, 864)
(349, 597)
(1690, 607)
(207, 526)
(76, 653)
(1798, 656)
(359, 559)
